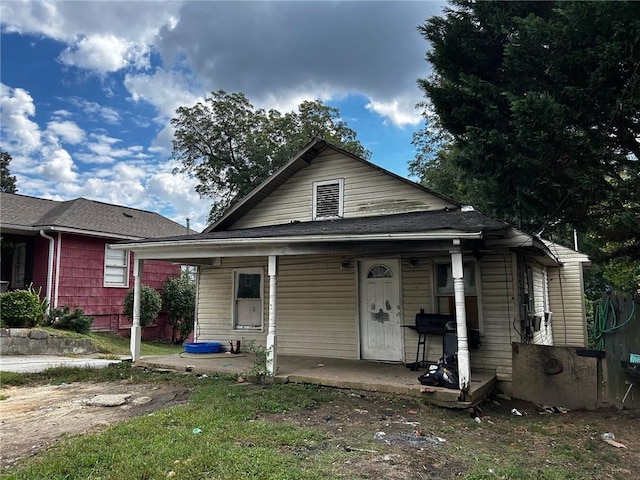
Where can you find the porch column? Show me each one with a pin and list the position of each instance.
(136, 330)
(272, 363)
(457, 270)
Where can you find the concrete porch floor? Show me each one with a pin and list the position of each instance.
(349, 374)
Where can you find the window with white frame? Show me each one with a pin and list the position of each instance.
(328, 199)
(445, 296)
(19, 265)
(247, 299)
(116, 267)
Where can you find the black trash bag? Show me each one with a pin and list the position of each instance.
(440, 375)
(429, 377)
(448, 377)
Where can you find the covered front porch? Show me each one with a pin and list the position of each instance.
(392, 378)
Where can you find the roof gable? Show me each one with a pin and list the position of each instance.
(247, 210)
(84, 216)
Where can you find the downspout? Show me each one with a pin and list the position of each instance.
(56, 290)
(49, 269)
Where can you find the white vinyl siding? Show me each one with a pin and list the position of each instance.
(116, 267)
(367, 192)
(417, 294)
(566, 297)
(323, 324)
(499, 313)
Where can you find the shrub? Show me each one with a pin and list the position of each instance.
(150, 305)
(179, 298)
(21, 308)
(76, 321)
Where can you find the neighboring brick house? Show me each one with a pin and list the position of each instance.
(64, 249)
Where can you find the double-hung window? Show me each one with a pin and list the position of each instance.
(247, 299)
(445, 296)
(116, 267)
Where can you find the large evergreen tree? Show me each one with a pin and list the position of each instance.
(7, 182)
(533, 113)
(230, 146)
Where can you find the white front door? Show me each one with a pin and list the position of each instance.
(380, 310)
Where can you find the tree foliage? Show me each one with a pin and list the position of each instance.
(231, 147)
(179, 299)
(533, 115)
(150, 305)
(7, 182)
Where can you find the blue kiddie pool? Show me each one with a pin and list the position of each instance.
(202, 347)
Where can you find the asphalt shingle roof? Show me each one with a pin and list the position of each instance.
(85, 215)
(411, 222)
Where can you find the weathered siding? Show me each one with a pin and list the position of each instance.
(499, 312)
(316, 306)
(367, 192)
(81, 279)
(566, 287)
(40, 264)
(417, 294)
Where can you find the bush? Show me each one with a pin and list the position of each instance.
(179, 298)
(76, 321)
(22, 308)
(150, 305)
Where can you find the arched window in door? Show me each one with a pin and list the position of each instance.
(380, 271)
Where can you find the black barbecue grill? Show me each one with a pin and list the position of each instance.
(427, 324)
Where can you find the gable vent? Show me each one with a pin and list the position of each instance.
(327, 200)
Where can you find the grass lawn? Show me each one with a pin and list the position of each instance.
(111, 344)
(229, 430)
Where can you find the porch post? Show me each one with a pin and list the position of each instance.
(272, 363)
(457, 270)
(136, 330)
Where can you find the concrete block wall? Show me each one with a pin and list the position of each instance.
(33, 341)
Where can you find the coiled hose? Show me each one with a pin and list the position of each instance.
(606, 320)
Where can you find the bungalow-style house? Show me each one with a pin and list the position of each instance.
(64, 249)
(335, 257)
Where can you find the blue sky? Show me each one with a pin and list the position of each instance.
(88, 88)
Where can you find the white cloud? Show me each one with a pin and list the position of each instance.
(165, 90)
(94, 111)
(105, 53)
(57, 166)
(67, 131)
(20, 134)
(178, 193)
(398, 112)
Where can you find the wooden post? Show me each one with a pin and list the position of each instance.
(136, 330)
(457, 270)
(272, 358)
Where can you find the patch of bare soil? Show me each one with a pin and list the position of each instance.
(31, 418)
(399, 439)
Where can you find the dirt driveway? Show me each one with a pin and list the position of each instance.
(403, 434)
(31, 418)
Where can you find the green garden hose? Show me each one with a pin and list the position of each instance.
(606, 320)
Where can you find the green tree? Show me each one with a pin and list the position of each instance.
(7, 182)
(179, 299)
(231, 147)
(538, 106)
(150, 305)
